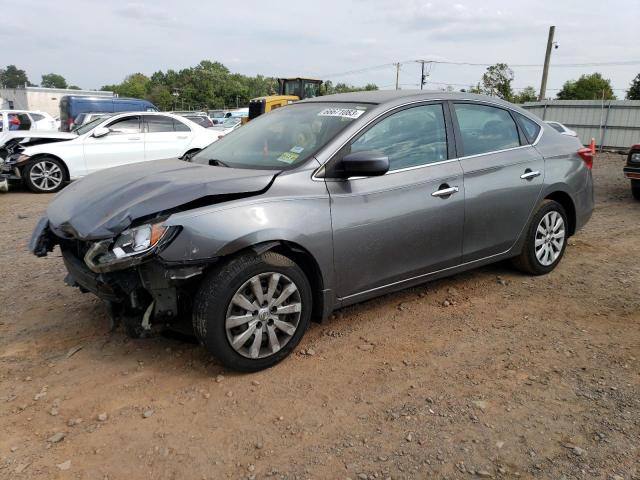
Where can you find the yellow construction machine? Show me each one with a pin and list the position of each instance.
(289, 90)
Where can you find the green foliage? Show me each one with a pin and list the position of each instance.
(587, 87)
(634, 90)
(13, 77)
(329, 88)
(528, 94)
(74, 87)
(497, 80)
(204, 86)
(53, 80)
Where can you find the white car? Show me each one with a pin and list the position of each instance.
(124, 138)
(561, 128)
(227, 126)
(11, 120)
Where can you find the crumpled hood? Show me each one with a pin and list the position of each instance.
(105, 203)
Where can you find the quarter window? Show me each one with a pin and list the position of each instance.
(127, 125)
(37, 117)
(412, 137)
(531, 128)
(485, 129)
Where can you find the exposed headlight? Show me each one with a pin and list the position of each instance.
(129, 248)
(635, 157)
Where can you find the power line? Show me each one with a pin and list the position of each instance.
(476, 64)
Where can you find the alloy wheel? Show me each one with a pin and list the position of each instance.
(263, 315)
(46, 175)
(550, 238)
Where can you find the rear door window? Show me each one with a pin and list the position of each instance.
(158, 124)
(37, 117)
(484, 128)
(180, 127)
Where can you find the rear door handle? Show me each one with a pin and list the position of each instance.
(182, 137)
(528, 174)
(133, 138)
(445, 192)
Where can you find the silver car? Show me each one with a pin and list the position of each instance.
(315, 206)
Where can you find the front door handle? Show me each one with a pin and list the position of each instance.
(445, 191)
(182, 137)
(133, 138)
(529, 174)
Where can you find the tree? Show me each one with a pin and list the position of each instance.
(13, 77)
(587, 87)
(497, 80)
(634, 90)
(74, 87)
(329, 88)
(53, 80)
(528, 94)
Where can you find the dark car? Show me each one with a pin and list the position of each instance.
(315, 206)
(632, 170)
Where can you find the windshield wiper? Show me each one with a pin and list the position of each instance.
(214, 162)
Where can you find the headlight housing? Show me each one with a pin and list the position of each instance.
(635, 157)
(130, 248)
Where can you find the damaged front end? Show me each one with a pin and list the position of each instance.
(140, 290)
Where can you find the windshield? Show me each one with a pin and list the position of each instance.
(82, 129)
(283, 138)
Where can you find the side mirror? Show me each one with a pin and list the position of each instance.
(362, 164)
(100, 132)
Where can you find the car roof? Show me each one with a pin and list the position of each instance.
(379, 97)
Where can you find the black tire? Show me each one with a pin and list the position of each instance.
(527, 261)
(50, 164)
(635, 189)
(189, 155)
(214, 297)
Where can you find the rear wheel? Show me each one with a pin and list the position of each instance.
(635, 189)
(546, 240)
(44, 175)
(252, 312)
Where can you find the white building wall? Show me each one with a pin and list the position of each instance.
(40, 98)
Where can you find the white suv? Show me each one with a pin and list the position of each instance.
(118, 140)
(25, 120)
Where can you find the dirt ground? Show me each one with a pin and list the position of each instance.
(518, 377)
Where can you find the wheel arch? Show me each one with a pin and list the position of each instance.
(38, 156)
(564, 199)
(305, 260)
(191, 150)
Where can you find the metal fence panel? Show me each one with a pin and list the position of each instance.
(614, 124)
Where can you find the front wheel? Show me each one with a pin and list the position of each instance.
(252, 312)
(44, 175)
(546, 240)
(187, 157)
(635, 189)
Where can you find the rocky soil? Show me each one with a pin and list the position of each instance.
(487, 374)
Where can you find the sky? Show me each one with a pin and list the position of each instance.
(94, 43)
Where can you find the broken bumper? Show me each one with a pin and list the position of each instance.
(164, 290)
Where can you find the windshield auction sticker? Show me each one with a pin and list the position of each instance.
(288, 157)
(341, 112)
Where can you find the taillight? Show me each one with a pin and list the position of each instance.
(586, 154)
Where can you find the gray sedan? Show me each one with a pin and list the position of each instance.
(315, 206)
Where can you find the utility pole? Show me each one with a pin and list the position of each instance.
(547, 59)
(397, 76)
(422, 76)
